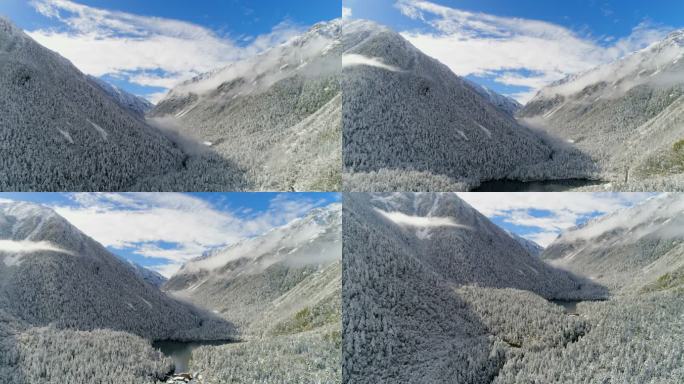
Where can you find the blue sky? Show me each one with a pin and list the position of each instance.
(163, 230)
(145, 47)
(541, 217)
(515, 47)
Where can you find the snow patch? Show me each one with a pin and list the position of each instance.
(99, 129)
(66, 135)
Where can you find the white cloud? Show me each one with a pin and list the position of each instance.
(346, 12)
(400, 218)
(487, 45)
(12, 246)
(563, 210)
(100, 42)
(352, 60)
(143, 221)
(18, 249)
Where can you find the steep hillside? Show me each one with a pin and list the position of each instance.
(51, 273)
(504, 103)
(634, 248)
(628, 115)
(434, 292)
(276, 115)
(60, 131)
(264, 280)
(149, 276)
(134, 104)
(450, 238)
(530, 246)
(283, 290)
(411, 124)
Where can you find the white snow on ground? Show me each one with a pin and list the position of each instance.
(66, 135)
(99, 129)
(352, 60)
(485, 130)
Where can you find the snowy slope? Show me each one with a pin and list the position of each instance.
(149, 276)
(135, 104)
(409, 316)
(627, 114)
(59, 131)
(504, 103)
(51, 273)
(533, 248)
(411, 124)
(262, 282)
(280, 107)
(629, 248)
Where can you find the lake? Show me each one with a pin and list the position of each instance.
(570, 306)
(181, 351)
(534, 186)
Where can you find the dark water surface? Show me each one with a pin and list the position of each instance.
(534, 186)
(181, 351)
(570, 306)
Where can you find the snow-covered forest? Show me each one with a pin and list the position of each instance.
(627, 115)
(433, 292)
(620, 123)
(277, 116)
(283, 292)
(272, 122)
(411, 124)
(72, 311)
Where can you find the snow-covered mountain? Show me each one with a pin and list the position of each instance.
(532, 247)
(60, 131)
(411, 124)
(627, 114)
(149, 276)
(435, 292)
(51, 273)
(504, 103)
(277, 115)
(630, 248)
(135, 104)
(261, 283)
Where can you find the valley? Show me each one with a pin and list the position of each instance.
(230, 129)
(616, 127)
(264, 309)
(447, 295)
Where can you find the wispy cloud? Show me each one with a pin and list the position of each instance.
(346, 12)
(541, 217)
(173, 227)
(100, 42)
(514, 51)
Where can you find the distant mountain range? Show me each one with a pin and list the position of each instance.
(533, 248)
(135, 104)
